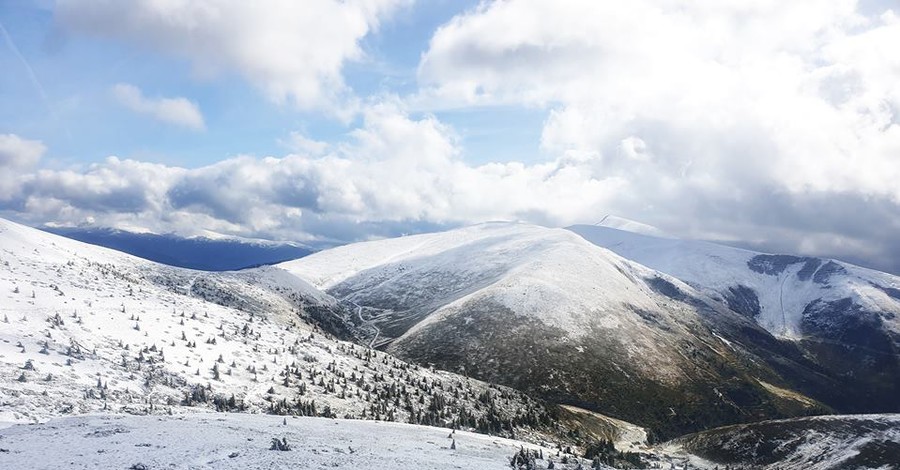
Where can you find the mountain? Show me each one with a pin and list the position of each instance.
(546, 311)
(204, 253)
(844, 318)
(816, 443)
(86, 329)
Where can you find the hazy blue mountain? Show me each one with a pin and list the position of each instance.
(196, 253)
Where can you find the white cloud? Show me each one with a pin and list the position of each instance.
(290, 50)
(703, 110)
(770, 122)
(179, 111)
(396, 174)
(299, 143)
(16, 152)
(393, 173)
(17, 155)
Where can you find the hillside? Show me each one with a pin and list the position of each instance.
(88, 329)
(843, 317)
(546, 311)
(817, 443)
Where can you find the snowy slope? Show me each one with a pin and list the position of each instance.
(817, 443)
(783, 286)
(547, 274)
(241, 441)
(547, 311)
(85, 329)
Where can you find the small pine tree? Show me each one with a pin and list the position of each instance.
(280, 444)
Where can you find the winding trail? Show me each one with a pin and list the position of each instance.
(363, 321)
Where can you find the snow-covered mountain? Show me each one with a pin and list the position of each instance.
(546, 311)
(780, 291)
(85, 329)
(88, 329)
(845, 318)
(814, 443)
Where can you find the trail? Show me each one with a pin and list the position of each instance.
(364, 322)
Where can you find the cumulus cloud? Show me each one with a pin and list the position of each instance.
(300, 143)
(398, 174)
(282, 46)
(16, 152)
(394, 174)
(711, 114)
(179, 111)
(16, 155)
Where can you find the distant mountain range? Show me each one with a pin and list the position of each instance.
(208, 254)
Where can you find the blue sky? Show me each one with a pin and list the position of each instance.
(749, 121)
(81, 122)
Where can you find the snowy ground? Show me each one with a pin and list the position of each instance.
(241, 441)
(86, 329)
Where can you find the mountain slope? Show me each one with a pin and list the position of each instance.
(817, 443)
(86, 329)
(843, 317)
(783, 286)
(546, 311)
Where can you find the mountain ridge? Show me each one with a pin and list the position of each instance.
(510, 302)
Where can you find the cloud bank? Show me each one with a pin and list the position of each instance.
(392, 175)
(772, 124)
(741, 120)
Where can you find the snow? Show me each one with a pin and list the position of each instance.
(714, 269)
(548, 274)
(241, 441)
(541, 272)
(810, 443)
(81, 314)
(103, 330)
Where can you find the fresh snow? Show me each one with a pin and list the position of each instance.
(546, 273)
(713, 269)
(88, 329)
(241, 441)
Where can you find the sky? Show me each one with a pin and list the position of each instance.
(767, 124)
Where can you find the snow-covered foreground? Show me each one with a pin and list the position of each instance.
(242, 441)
